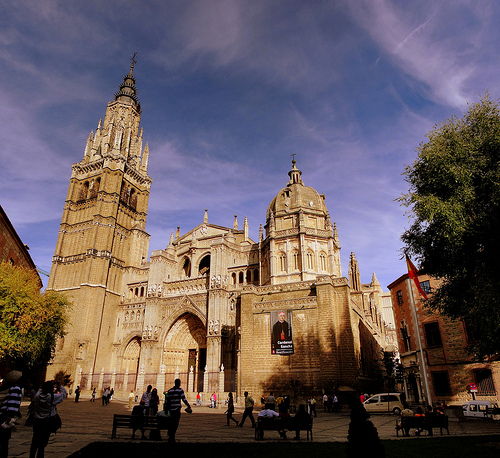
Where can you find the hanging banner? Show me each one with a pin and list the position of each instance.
(281, 333)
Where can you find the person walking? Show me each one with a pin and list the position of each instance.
(130, 399)
(154, 402)
(313, 406)
(9, 409)
(146, 399)
(92, 399)
(230, 409)
(45, 402)
(249, 403)
(105, 394)
(77, 394)
(173, 405)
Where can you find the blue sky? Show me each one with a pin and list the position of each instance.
(230, 89)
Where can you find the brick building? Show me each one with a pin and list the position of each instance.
(12, 249)
(439, 363)
(205, 308)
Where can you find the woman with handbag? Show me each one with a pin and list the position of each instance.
(45, 417)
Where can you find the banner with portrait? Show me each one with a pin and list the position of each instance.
(281, 332)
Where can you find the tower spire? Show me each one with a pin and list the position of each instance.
(127, 90)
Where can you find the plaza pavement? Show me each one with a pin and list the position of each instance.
(85, 422)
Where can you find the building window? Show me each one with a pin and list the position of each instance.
(432, 334)
(282, 261)
(399, 297)
(322, 260)
(405, 337)
(441, 383)
(426, 286)
(469, 330)
(310, 263)
(484, 382)
(296, 260)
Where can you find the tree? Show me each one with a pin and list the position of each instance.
(454, 205)
(30, 321)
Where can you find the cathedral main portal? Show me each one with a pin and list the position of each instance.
(185, 350)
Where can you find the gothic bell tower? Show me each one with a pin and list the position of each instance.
(102, 238)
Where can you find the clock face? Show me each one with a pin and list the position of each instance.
(311, 203)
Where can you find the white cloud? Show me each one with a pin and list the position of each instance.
(425, 40)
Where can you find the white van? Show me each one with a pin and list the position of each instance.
(479, 409)
(384, 402)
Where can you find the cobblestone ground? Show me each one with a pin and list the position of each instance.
(85, 422)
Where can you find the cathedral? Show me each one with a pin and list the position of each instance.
(216, 309)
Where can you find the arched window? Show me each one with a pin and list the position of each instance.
(322, 261)
(296, 260)
(241, 278)
(186, 268)
(204, 266)
(133, 199)
(282, 262)
(124, 193)
(310, 260)
(84, 191)
(256, 276)
(249, 277)
(142, 291)
(233, 276)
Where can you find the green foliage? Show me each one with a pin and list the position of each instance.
(454, 206)
(30, 321)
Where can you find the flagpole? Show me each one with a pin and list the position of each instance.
(419, 340)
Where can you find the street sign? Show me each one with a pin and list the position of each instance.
(473, 388)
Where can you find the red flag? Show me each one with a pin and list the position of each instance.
(413, 274)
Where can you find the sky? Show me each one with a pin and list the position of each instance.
(229, 90)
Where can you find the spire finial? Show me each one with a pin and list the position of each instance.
(295, 173)
(134, 61)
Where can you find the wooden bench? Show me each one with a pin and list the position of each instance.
(404, 424)
(140, 422)
(277, 424)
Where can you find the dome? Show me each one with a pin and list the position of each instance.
(295, 196)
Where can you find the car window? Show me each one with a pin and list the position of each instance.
(384, 398)
(483, 408)
(372, 400)
(473, 407)
(393, 398)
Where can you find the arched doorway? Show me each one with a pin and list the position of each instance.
(130, 361)
(185, 346)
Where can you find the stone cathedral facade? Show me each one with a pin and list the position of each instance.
(205, 308)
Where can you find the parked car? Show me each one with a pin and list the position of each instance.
(479, 409)
(384, 402)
